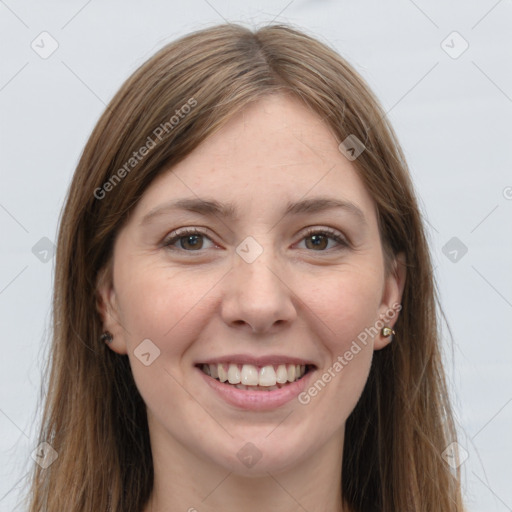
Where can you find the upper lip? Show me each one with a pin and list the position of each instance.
(268, 360)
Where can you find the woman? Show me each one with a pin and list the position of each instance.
(244, 313)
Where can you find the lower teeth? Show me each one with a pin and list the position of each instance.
(255, 388)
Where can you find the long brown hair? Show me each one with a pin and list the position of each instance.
(94, 416)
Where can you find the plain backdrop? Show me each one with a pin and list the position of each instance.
(443, 72)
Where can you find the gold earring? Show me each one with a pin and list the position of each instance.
(387, 332)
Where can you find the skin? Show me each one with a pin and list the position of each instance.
(297, 298)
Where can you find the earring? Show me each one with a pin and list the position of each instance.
(106, 337)
(387, 332)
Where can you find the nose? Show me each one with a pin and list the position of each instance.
(257, 296)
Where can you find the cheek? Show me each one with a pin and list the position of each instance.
(171, 309)
(346, 309)
(346, 302)
(161, 304)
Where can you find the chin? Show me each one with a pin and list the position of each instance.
(260, 456)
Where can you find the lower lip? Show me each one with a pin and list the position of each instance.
(257, 400)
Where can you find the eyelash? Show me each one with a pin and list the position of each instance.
(183, 233)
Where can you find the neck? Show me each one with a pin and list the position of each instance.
(184, 481)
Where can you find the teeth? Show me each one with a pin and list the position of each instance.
(223, 375)
(258, 388)
(234, 374)
(282, 374)
(291, 372)
(267, 376)
(248, 376)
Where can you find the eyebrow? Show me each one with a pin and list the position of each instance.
(228, 210)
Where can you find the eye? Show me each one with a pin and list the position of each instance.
(319, 239)
(192, 240)
(188, 239)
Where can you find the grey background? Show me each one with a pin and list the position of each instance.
(453, 118)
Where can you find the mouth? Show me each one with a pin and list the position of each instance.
(250, 377)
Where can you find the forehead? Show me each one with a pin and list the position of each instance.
(275, 151)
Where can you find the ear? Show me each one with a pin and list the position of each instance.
(391, 298)
(107, 307)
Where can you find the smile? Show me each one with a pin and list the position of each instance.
(250, 377)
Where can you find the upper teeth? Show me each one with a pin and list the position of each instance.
(250, 375)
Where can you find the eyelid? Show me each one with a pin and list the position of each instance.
(334, 234)
(331, 233)
(175, 235)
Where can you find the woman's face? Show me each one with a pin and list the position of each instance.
(259, 252)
